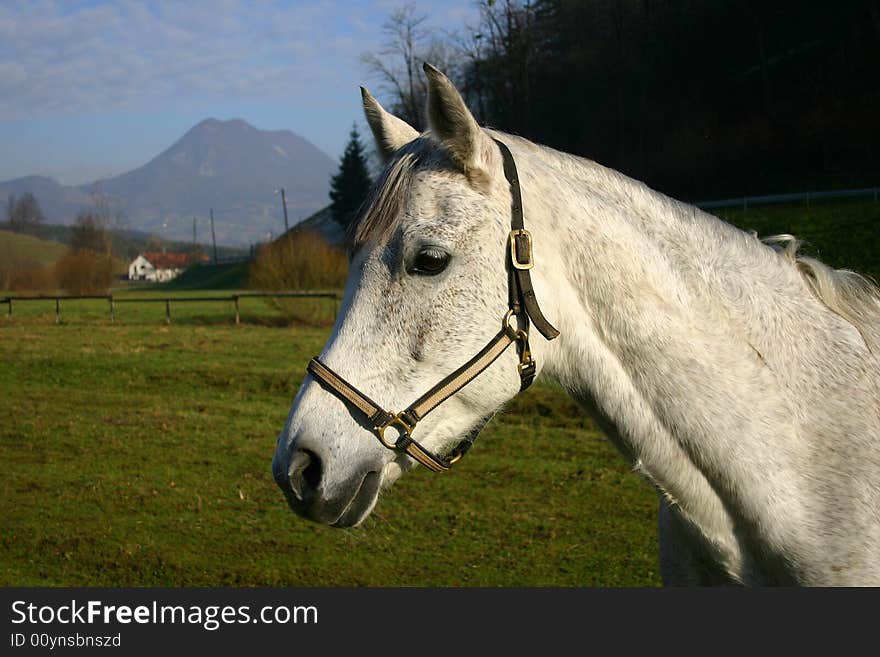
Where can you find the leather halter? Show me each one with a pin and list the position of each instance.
(522, 304)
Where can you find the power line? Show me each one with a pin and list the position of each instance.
(213, 236)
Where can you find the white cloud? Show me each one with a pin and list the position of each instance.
(54, 59)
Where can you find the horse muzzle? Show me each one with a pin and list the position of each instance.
(302, 477)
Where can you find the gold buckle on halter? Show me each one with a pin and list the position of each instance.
(514, 254)
(526, 361)
(401, 424)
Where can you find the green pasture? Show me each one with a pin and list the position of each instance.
(145, 304)
(137, 453)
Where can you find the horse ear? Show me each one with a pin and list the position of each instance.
(453, 124)
(391, 133)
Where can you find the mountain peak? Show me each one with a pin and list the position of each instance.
(225, 165)
(212, 122)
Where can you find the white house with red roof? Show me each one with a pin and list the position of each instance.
(158, 267)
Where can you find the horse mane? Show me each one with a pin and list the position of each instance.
(846, 293)
(381, 210)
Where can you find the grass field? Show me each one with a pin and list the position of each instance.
(127, 311)
(139, 454)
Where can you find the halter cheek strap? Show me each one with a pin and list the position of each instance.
(406, 421)
(522, 304)
(521, 292)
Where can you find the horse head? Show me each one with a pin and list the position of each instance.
(427, 286)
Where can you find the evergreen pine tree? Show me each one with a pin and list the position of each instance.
(349, 187)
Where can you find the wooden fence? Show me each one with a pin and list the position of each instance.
(745, 202)
(112, 301)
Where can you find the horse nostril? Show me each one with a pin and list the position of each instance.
(304, 473)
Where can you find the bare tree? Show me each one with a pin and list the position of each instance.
(24, 212)
(10, 209)
(500, 54)
(89, 234)
(398, 65)
(107, 210)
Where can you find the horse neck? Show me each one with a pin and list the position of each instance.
(709, 361)
(618, 265)
(616, 262)
(612, 254)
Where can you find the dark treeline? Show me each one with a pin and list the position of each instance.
(699, 99)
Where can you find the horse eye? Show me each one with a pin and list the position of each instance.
(429, 262)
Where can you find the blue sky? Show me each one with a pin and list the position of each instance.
(92, 89)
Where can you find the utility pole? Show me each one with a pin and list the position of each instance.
(194, 235)
(213, 236)
(284, 203)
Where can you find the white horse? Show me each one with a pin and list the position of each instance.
(739, 378)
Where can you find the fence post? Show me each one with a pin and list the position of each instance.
(112, 314)
(57, 310)
(167, 311)
(237, 316)
(9, 314)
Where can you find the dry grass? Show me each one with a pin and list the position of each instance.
(26, 262)
(20, 273)
(42, 251)
(84, 272)
(298, 261)
(31, 264)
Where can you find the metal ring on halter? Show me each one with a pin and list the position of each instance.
(401, 423)
(514, 333)
(505, 324)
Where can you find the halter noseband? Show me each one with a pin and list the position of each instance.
(522, 304)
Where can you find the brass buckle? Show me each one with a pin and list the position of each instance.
(525, 364)
(514, 258)
(401, 424)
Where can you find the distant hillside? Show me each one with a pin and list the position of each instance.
(230, 166)
(28, 264)
(58, 202)
(227, 276)
(125, 244)
(29, 249)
